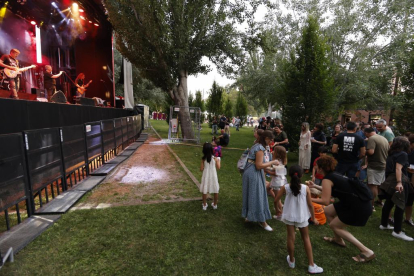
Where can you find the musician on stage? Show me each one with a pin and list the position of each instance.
(10, 61)
(50, 81)
(81, 86)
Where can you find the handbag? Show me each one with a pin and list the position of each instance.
(241, 164)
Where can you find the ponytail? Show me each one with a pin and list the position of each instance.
(295, 173)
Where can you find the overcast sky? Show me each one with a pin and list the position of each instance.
(205, 82)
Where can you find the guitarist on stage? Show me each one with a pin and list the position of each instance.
(10, 62)
(50, 81)
(81, 86)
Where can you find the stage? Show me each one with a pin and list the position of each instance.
(20, 115)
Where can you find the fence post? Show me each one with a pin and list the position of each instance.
(28, 187)
(63, 167)
(86, 150)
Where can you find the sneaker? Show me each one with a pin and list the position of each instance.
(388, 227)
(204, 207)
(214, 206)
(315, 269)
(402, 236)
(409, 222)
(291, 264)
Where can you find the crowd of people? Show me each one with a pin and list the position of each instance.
(368, 155)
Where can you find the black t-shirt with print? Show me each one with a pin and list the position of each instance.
(349, 145)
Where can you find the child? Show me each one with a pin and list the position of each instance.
(297, 209)
(318, 209)
(278, 174)
(216, 148)
(209, 180)
(316, 177)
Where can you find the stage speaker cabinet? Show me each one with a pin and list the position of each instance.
(87, 101)
(58, 97)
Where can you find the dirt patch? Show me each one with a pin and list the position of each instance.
(150, 175)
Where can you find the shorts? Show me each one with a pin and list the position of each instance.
(296, 224)
(375, 177)
(275, 188)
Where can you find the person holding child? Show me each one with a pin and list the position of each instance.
(296, 212)
(349, 210)
(209, 180)
(255, 204)
(278, 175)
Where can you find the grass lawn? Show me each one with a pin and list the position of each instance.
(181, 239)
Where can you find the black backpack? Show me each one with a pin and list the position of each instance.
(361, 190)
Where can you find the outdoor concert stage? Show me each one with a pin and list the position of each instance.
(72, 36)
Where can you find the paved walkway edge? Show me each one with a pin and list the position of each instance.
(179, 161)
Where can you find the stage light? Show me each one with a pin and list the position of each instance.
(38, 45)
(81, 17)
(53, 26)
(80, 10)
(96, 24)
(104, 67)
(54, 4)
(33, 22)
(75, 5)
(90, 21)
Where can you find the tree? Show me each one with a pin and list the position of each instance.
(166, 40)
(228, 108)
(214, 102)
(191, 100)
(404, 117)
(241, 108)
(199, 102)
(309, 91)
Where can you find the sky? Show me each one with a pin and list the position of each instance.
(205, 82)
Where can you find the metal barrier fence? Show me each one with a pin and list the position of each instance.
(38, 165)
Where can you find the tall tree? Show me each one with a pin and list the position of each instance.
(310, 92)
(241, 108)
(167, 39)
(228, 108)
(404, 117)
(214, 102)
(198, 101)
(191, 100)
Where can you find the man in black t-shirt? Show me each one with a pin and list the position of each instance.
(350, 148)
(10, 62)
(222, 122)
(50, 81)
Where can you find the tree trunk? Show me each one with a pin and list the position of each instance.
(269, 110)
(181, 99)
(394, 93)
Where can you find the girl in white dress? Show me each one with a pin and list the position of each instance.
(296, 212)
(305, 147)
(209, 180)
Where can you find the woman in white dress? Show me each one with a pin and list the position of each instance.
(305, 147)
(209, 180)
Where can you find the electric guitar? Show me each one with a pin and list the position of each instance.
(13, 73)
(82, 89)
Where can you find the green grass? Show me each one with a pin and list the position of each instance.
(181, 239)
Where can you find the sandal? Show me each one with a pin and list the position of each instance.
(361, 258)
(331, 240)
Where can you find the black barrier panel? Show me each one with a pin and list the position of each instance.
(134, 125)
(108, 134)
(118, 132)
(93, 140)
(73, 147)
(130, 127)
(13, 178)
(43, 157)
(139, 124)
(22, 115)
(124, 131)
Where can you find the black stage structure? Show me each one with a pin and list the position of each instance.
(46, 148)
(71, 36)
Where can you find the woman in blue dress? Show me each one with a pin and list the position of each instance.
(255, 203)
